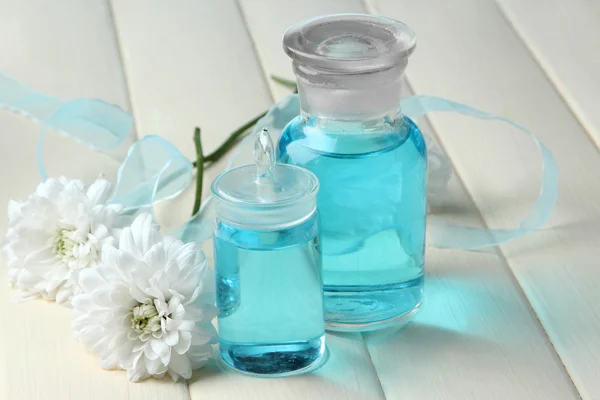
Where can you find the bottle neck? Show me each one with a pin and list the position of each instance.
(349, 97)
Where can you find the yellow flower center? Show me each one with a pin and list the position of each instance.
(145, 319)
(63, 244)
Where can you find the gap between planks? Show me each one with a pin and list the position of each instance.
(136, 132)
(552, 78)
(496, 249)
(259, 60)
(499, 250)
(371, 8)
(267, 81)
(121, 59)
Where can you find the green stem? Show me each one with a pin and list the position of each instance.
(231, 141)
(200, 172)
(225, 147)
(233, 138)
(284, 82)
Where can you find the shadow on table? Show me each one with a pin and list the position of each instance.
(421, 334)
(347, 373)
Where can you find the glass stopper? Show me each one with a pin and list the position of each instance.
(264, 157)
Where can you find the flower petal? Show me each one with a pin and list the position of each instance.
(14, 211)
(90, 279)
(50, 188)
(174, 303)
(155, 258)
(109, 362)
(127, 243)
(153, 366)
(149, 353)
(181, 365)
(145, 232)
(186, 325)
(39, 257)
(184, 343)
(83, 303)
(102, 297)
(99, 191)
(139, 372)
(63, 295)
(159, 347)
(137, 294)
(172, 338)
(131, 266)
(167, 357)
(159, 285)
(200, 352)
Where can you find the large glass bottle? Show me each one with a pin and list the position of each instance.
(371, 163)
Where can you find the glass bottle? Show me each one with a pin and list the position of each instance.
(371, 163)
(268, 266)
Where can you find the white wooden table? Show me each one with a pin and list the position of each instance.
(521, 321)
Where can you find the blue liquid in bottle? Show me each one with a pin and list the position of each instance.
(372, 185)
(270, 299)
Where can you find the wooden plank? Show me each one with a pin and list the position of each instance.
(4, 366)
(185, 69)
(40, 48)
(476, 336)
(194, 64)
(41, 357)
(487, 65)
(562, 36)
(49, 46)
(267, 31)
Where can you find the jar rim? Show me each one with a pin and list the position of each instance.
(311, 188)
(349, 43)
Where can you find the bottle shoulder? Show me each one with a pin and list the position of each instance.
(303, 126)
(352, 137)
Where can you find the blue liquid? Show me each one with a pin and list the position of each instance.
(373, 178)
(270, 298)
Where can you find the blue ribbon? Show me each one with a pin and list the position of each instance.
(154, 170)
(442, 234)
(446, 235)
(93, 122)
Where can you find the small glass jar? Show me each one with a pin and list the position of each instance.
(371, 163)
(268, 267)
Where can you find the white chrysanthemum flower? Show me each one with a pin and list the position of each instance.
(56, 233)
(148, 308)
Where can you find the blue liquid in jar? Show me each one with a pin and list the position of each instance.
(373, 178)
(270, 298)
